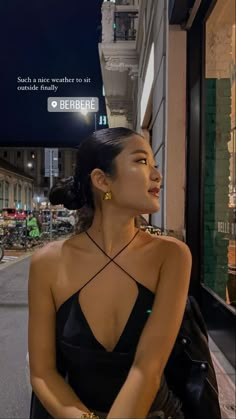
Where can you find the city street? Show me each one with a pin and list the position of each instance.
(14, 383)
(112, 109)
(12, 255)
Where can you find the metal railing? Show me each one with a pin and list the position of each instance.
(125, 26)
(125, 3)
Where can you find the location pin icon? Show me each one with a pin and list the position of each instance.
(54, 104)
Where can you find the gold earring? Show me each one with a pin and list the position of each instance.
(107, 196)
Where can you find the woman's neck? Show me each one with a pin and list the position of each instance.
(111, 233)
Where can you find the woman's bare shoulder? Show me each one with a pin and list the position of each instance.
(173, 248)
(45, 263)
(49, 258)
(48, 253)
(167, 245)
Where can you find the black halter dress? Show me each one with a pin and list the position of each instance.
(95, 374)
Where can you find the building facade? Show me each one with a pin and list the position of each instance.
(210, 193)
(175, 83)
(139, 79)
(16, 187)
(32, 162)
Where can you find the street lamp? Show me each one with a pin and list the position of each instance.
(85, 113)
(29, 164)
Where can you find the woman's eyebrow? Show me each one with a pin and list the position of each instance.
(139, 151)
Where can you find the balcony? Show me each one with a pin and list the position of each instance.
(125, 26)
(118, 55)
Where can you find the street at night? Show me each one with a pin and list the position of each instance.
(118, 117)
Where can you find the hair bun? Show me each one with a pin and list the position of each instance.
(64, 192)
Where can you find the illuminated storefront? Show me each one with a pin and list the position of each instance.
(210, 191)
(220, 152)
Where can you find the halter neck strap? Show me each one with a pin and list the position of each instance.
(103, 251)
(110, 259)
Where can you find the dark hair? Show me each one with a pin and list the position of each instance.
(97, 151)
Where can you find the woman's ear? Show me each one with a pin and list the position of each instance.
(99, 180)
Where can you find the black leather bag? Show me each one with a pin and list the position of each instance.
(190, 372)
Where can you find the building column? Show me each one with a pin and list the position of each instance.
(175, 173)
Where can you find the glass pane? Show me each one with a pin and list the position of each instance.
(125, 26)
(6, 191)
(1, 194)
(220, 152)
(15, 194)
(19, 197)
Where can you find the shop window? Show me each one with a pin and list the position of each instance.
(30, 196)
(1, 194)
(220, 152)
(15, 194)
(26, 197)
(6, 194)
(19, 203)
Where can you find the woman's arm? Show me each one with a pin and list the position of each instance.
(54, 393)
(158, 337)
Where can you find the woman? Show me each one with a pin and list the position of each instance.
(106, 305)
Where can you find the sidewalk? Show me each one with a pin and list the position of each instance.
(225, 375)
(13, 256)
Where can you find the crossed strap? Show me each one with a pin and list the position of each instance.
(111, 259)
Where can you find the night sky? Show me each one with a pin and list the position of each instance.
(47, 39)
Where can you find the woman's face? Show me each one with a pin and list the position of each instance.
(137, 182)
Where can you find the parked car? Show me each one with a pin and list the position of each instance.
(14, 213)
(65, 216)
(45, 215)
